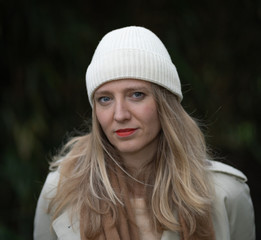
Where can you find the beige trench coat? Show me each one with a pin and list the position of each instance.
(233, 215)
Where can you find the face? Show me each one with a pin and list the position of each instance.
(127, 113)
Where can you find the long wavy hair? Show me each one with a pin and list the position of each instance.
(180, 179)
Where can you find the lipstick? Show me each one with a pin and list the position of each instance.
(125, 132)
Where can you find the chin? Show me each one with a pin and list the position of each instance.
(127, 149)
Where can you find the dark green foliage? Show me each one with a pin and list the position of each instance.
(45, 47)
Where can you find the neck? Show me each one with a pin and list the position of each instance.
(135, 162)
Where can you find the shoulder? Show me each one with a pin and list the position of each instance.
(228, 181)
(231, 192)
(43, 220)
(53, 178)
(51, 183)
(231, 203)
(218, 167)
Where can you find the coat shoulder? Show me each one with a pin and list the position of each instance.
(231, 203)
(218, 167)
(51, 183)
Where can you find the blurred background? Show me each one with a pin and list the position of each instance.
(46, 46)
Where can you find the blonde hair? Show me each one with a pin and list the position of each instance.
(181, 183)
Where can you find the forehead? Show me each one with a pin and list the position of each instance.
(124, 84)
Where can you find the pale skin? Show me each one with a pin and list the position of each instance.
(127, 112)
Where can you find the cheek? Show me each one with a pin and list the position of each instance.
(150, 116)
(101, 117)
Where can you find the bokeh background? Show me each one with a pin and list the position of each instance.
(45, 47)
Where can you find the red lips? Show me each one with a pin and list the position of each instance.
(125, 132)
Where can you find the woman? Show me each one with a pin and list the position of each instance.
(142, 172)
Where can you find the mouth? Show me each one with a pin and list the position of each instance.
(125, 132)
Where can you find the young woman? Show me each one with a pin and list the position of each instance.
(143, 170)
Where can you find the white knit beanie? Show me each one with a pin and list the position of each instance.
(132, 52)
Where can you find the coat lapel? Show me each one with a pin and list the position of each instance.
(64, 229)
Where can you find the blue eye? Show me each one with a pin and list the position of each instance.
(138, 95)
(104, 99)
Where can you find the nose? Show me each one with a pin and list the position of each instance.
(121, 111)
